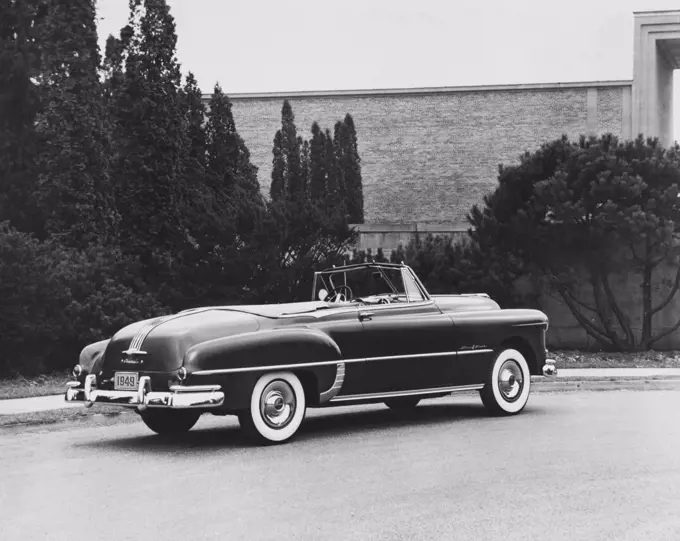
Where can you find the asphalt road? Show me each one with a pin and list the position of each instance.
(574, 466)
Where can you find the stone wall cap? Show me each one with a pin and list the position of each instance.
(419, 91)
(423, 227)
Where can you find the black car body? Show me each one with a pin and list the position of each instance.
(374, 334)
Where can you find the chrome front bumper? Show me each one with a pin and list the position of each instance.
(179, 396)
(549, 369)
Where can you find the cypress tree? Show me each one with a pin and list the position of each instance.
(288, 178)
(278, 187)
(352, 173)
(341, 144)
(291, 147)
(304, 166)
(331, 171)
(75, 193)
(317, 165)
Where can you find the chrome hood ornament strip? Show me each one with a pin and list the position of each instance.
(138, 340)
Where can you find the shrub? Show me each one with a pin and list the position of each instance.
(55, 300)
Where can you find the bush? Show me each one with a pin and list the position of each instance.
(55, 300)
(462, 267)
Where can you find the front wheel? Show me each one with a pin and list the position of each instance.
(506, 390)
(277, 408)
(163, 421)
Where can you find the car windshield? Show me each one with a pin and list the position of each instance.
(367, 285)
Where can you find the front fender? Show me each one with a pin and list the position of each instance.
(236, 362)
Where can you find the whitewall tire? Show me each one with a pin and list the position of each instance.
(507, 388)
(277, 408)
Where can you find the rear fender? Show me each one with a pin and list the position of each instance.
(92, 357)
(237, 362)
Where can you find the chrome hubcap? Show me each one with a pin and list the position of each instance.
(510, 380)
(277, 404)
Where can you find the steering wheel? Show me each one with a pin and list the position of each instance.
(383, 300)
(337, 296)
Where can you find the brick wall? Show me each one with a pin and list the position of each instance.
(429, 155)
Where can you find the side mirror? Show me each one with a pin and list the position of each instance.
(323, 294)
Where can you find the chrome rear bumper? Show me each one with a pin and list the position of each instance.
(179, 396)
(549, 369)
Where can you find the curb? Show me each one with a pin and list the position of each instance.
(604, 383)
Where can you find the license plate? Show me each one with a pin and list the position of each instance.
(126, 381)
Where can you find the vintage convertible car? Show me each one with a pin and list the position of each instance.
(372, 334)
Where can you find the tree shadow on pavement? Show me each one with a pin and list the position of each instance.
(318, 426)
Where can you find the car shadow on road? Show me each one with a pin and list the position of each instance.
(318, 427)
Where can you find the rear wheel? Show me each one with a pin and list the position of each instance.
(277, 408)
(163, 421)
(506, 391)
(405, 403)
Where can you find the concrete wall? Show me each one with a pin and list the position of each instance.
(565, 331)
(656, 54)
(428, 155)
(389, 236)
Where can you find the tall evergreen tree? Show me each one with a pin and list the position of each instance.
(233, 176)
(304, 166)
(151, 136)
(317, 165)
(75, 193)
(288, 179)
(278, 187)
(333, 192)
(194, 112)
(341, 145)
(352, 173)
(20, 28)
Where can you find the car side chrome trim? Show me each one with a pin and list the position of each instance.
(344, 361)
(472, 351)
(337, 385)
(397, 394)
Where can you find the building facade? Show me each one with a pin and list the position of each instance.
(429, 154)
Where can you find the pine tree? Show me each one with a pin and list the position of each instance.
(20, 28)
(75, 193)
(352, 173)
(150, 135)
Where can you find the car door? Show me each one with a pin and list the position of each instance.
(405, 346)
(343, 326)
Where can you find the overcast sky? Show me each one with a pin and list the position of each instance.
(272, 45)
